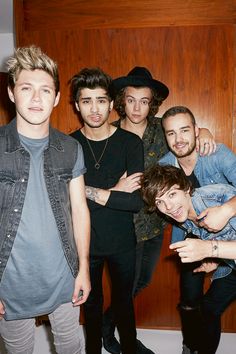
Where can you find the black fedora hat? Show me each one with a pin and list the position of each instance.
(139, 77)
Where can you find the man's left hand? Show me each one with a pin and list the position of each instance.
(82, 289)
(205, 142)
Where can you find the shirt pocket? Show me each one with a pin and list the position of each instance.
(8, 183)
(63, 177)
(214, 178)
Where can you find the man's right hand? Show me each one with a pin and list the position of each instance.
(192, 250)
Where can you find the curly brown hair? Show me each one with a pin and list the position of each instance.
(119, 103)
(159, 179)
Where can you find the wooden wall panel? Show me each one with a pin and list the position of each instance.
(196, 62)
(7, 109)
(125, 13)
(234, 99)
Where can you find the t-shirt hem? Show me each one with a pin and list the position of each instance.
(30, 315)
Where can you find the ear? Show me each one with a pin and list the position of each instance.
(111, 106)
(196, 131)
(11, 94)
(57, 98)
(187, 191)
(77, 106)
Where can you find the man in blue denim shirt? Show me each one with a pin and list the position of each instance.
(168, 189)
(181, 132)
(44, 218)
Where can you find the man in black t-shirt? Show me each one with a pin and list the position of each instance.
(109, 153)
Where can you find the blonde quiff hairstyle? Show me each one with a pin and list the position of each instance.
(30, 59)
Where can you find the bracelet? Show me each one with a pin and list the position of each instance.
(214, 248)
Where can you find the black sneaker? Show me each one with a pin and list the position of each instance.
(186, 350)
(111, 344)
(141, 349)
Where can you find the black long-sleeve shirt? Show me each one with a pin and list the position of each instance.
(112, 228)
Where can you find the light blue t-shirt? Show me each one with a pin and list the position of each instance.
(37, 278)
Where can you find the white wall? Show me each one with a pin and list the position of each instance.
(6, 48)
(6, 32)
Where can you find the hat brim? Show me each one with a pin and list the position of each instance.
(136, 81)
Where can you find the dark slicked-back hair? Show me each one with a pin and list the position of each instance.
(90, 78)
(119, 103)
(171, 112)
(158, 179)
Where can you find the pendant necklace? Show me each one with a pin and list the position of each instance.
(97, 161)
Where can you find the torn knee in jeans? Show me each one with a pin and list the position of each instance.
(184, 307)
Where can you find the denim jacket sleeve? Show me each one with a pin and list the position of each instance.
(227, 163)
(220, 167)
(178, 234)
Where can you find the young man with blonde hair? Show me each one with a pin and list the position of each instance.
(45, 224)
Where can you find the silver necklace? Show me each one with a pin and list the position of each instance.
(97, 161)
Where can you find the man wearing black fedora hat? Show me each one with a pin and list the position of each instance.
(137, 98)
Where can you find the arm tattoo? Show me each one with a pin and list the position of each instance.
(91, 193)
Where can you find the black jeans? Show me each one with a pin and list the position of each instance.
(121, 269)
(147, 255)
(220, 294)
(191, 295)
(201, 314)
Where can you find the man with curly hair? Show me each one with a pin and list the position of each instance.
(137, 98)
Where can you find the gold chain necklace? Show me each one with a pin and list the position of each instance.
(97, 161)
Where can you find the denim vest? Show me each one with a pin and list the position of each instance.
(59, 159)
(219, 167)
(207, 197)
